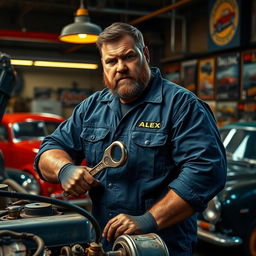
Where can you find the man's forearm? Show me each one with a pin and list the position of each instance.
(50, 163)
(170, 210)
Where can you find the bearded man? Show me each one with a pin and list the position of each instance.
(176, 161)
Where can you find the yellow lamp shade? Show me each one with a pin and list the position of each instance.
(82, 31)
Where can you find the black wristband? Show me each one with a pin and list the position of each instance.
(146, 223)
(65, 172)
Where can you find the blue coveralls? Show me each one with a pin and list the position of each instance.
(172, 142)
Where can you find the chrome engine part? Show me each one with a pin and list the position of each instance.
(46, 228)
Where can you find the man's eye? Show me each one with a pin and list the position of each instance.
(110, 61)
(130, 57)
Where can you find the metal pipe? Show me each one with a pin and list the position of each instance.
(159, 11)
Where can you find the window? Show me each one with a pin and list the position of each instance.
(240, 143)
(33, 130)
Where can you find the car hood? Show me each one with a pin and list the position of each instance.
(238, 170)
(29, 145)
(239, 174)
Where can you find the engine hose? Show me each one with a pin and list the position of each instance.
(73, 207)
(14, 185)
(25, 236)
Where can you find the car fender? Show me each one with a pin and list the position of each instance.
(46, 187)
(238, 201)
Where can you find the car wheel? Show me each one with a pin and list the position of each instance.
(250, 244)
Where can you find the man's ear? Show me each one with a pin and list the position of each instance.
(146, 53)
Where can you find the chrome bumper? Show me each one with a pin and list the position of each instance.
(218, 239)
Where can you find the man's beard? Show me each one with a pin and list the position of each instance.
(129, 88)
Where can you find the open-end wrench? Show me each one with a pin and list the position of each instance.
(108, 159)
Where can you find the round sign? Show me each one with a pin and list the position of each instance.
(224, 20)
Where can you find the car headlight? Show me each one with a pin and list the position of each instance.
(212, 212)
(30, 184)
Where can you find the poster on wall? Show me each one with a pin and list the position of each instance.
(249, 75)
(226, 112)
(206, 71)
(72, 97)
(224, 24)
(228, 77)
(42, 93)
(246, 111)
(212, 105)
(189, 75)
(172, 73)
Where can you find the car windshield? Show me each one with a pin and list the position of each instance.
(33, 130)
(240, 143)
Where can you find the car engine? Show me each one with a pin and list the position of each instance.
(33, 225)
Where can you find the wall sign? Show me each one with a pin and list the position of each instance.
(224, 24)
(226, 112)
(72, 97)
(228, 77)
(206, 75)
(172, 73)
(189, 75)
(249, 75)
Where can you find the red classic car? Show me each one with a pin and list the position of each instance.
(226, 19)
(20, 137)
(228, 80)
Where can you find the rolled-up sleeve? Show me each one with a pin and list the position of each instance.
(199, 154)
(66, 137)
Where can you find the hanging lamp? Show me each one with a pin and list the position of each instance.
(82, 31)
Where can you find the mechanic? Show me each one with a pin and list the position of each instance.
(176, 161)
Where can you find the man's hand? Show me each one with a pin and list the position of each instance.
(76, 180)
(124, 224)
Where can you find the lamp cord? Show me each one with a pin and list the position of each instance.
(81, 4)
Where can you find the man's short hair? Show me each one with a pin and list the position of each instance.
(118, 30)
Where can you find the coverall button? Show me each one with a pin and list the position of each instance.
(110, 185)
(92, 137)
(147, 142)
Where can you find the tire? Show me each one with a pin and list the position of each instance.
(250, 243)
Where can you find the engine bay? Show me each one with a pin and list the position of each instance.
(34, 225)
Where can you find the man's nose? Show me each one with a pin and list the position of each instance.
(121, 66)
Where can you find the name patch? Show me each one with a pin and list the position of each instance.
(150, 125)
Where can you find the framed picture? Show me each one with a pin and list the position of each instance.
(172, 73)
(41, 93)
(189, 75)
(228, 77)
(226, 112)
(212, 105)
(206, 74)
(249, 75)
(71, 97)
(246, 111)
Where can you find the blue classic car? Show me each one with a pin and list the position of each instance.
(230, 218)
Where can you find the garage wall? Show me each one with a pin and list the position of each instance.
(60, 78)
(54, 79)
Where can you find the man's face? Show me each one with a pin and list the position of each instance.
(126, 70)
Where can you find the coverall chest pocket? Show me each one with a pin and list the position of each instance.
(150, 153)
(94, 143)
